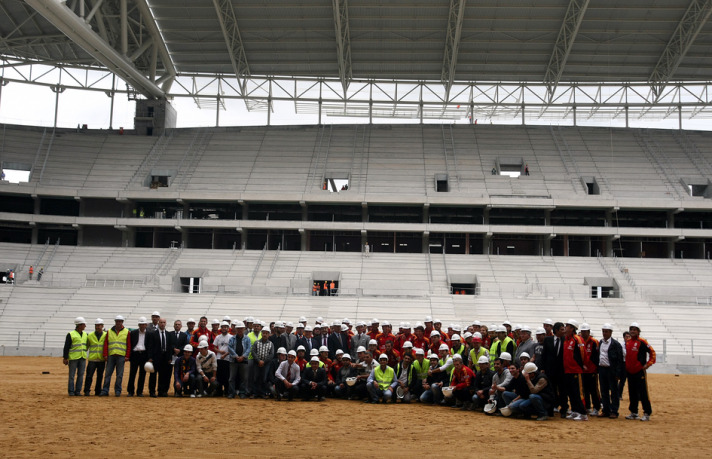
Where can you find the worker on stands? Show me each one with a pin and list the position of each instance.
(32, 271)
(315, 289)
(75, 356)
(327, 292)
(332, 288)
(39, 274)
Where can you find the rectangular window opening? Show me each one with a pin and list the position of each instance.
(15, 172)
(335, 182)
(698, 190)
(441, 183)
(190, 284)
(159, 181)
(463, 289)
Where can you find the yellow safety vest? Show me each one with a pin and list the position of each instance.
(117, 341)
(494, 351)
(506, 342)
(459, 351)
(422, 368)
(449, 371)
(78, 350)
(253, 338)
(384, 378)
(95, 347)
(475, 356)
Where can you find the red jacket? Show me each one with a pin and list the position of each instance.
(636, 355)
(462, 379)
(382, 338)
(591, 348)
(423, 343)
(574, 354)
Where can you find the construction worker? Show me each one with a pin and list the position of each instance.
(332, 288)
(95, 358)
(381, 382)
(639, 356)
(574, 366)
(32, 271)
(117, 350)
(75, 356)
(591, 394)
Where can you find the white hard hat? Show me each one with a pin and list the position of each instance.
(505, 356)
(382, 357)
(344, 327)
(323, 349)
(467, 335)
(360, 349)
(419, 325)
(156, 313)
(501, 329)
(314, 352)
(525, 355)
(455, 337)
(434, 333)
(292, 353)
(373, 341)
(302, 319)
(506, 411)
(239, 324)
(585, 326)
(572, 322)
(428, 319)
(335, 323)
(506, 322)
(249, 319)
(314, 359)
(346, 321)
(548, 322)
(346, 356)
(406, 325)
(301, 348)
(187, 348)
(530, 367)
(99, 322)
(443, 347)
(634, 325)
(319, 320)
(457, 327)
(457, 357)
(477, 335)
(80, 320)
(477, 322)
(361, 324)
(299, 325)
(374, 321)
(518, 327)
(408, 344)
(493, 327)
(526, 328)
(226, 318)
(142, 320)
(339, 351)
(279, 324)
(433, 356)
(203, 338)
(386, 323)
(540, 331)
(419, 351)
(289, 325)
(437, 321)
(224, 324)
(607, 326)
(148, 366)
(281, 350)
(401, 324)
(203, 344)
(190, 320)
(483, 359)
(119, 317)
(215, 322)
(308, 328)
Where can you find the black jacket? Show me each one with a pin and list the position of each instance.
(309, 376)
(553, 364)
(615, 357)
(149, 341)
(178, 340)
(483, 379)
(157, 355)
(334, 344)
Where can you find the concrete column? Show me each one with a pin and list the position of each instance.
(546, 245)
(426, 241)
(671, 247)
(609, 247)
(304, 240)
(128, 237)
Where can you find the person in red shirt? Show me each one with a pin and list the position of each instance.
(200, 331)
(591, 394)
(393, 355)
(373, 349)
(403, 337)
(438, 325)
(639, 356)
(462, 380)
(419, 340)
(428, 323)
(385, 336)
(301, 361)
(436, 341)
(373, 332)
(574, 366)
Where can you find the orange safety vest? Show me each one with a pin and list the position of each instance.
(333, 286)
(31, 270)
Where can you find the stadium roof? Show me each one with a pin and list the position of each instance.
(548, 42)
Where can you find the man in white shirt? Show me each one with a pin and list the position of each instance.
(220, 344)
(288, 377)
(611, 365)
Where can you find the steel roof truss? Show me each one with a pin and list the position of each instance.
(343, 42)
(233, 40)
(452, 43)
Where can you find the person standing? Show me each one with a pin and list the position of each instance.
(262, 353)
(32, 271)
(639, 356)
(117, 350)
(221, 344)
(574, 366)
(141, 352)
(611, 366)
(553, 365)
(592, 397)
(95, 358)
(239, 347)
(162, 356)
(155, 317)
(74, 355)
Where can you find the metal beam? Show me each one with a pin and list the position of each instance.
(685, 33)
(231, 33)
(150, 22)
(564, 42)
(343, 41)
(452, 43)
(67, 22)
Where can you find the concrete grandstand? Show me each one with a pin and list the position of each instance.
(456, 221)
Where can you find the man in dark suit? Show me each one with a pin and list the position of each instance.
(162, 353)
(611, 366)
(553, 365)
(313, 382)
(142, 343)
(177, 340)
(338, 339)
(317, 339)
(302, 339)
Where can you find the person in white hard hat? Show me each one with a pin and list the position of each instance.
(537, 356)
(185, 373)
(202, 330)
(221, 343)
(346, 370)
(74, 355)
(313, 382)
(483, 383)
(611, 366)
(117, 350)
(639, 356)
(477, 352)
(95, 358)
(190, 324)
(381, 382)
(262, 353)
(540, 400)
(360, 338)
(526, 344)
(142, 349)
(207, 368)
(574, 366)
(239, 347)
(592, 399)
(433, 383)
(288, 376)
(153, 326)
(548, 326)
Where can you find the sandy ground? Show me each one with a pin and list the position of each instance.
(39, 418)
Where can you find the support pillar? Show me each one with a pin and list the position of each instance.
(304, 242)
(426, 241)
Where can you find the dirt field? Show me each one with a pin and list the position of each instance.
(39, 418)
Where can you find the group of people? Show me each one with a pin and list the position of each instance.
(328, 288)
(558, 368)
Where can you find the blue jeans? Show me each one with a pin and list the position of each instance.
(114, 362)
(508, 396)
(532, 405)
(434, 395)
(376, 393)
(76, 367)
